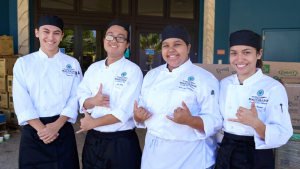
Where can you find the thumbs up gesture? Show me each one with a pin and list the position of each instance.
(181, 115)
(101, 99)
(246, 116)
(140, 113)
(87, 123)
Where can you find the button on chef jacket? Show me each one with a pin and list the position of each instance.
(122, 82)
(271, 103)
(45, 87)
(163, 92)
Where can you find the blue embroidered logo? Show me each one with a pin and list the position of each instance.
(260, 92)
(191, 78)
(123, 74)
(68, 66)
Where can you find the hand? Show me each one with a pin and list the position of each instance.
(246, 116)
(101, 99)
(49, 133)
(181, 116)
(140, 114)
(86, 122)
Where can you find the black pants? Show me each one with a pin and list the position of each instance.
(116, 150)
(238, 152)
(60, 154)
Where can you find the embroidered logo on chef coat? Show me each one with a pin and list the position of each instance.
(188, 84)
(259, 99)
(260, 92)
(121, 80)
(68, 71)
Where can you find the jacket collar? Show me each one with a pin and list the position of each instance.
(114, 66)
(179, 69)
(250, 80)
(43, 55)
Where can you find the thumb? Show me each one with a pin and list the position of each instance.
(184, 106)
(85, 112)
(79, 131)
(100, 89)
(253, 109)
(135, 105)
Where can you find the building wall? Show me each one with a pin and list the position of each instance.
(255, 15)
(4, 17)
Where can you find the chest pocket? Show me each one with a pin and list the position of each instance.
(178, 96)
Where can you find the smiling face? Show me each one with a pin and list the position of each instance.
(50, 37)
(113, 48)
(243, 59)
(175, 52)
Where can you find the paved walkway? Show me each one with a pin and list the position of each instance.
(9, 150)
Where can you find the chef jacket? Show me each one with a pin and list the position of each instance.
(271, 103)
(122, 82)
(163, 92)
(45, 87)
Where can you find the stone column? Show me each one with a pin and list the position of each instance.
(208, 31)
(23, 27)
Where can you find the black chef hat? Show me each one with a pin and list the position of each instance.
(51, 20)
(176, 31)
(119, 23)
(245, 37)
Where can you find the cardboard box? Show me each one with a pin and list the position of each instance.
(276, 70)
(3, 84)
(3, 99)
(288, 155)
(10, 101)
(6, 112)
(6, 45)
(6, 65)
(220, 71)
(13, 118)
(9, 83)
(292, 87)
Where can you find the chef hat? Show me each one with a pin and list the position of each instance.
(245, 37)
(51, 20)
(119, 23)
(176, 31)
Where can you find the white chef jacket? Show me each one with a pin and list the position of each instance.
(45, 87)
(271, 103)
(162, 92)
(122, 82)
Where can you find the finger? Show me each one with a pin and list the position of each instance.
(170, 118)
(234, 120)
(100, 89)
(135, 106)
(243, 109)
(239, 111)
(108, 106)
(149, 115)
(79, 131)
(253, 108)
(184, 106)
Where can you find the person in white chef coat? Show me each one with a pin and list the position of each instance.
(45, 101)
(179, 107)
(108, 91)
(254, 107)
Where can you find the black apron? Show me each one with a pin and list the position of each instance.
(115, 150)
(238, 152)
(60, 154)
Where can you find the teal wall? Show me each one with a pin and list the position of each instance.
(9, 20)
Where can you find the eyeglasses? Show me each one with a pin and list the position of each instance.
(118, 39)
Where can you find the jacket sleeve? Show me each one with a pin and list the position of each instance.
(208, 100)
(278, 122)
(83, 89)
(123, 110)
(22, 101)
(71, 108)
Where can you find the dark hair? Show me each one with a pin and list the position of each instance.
(259, 63)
